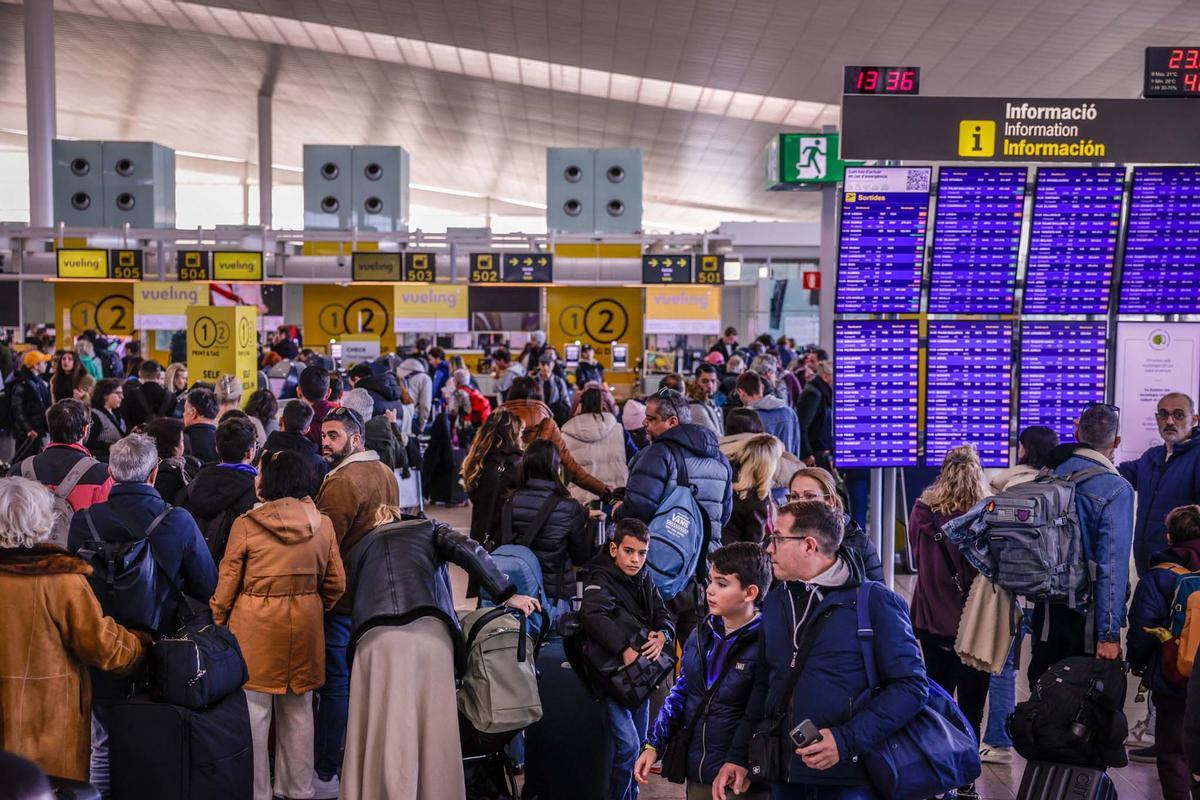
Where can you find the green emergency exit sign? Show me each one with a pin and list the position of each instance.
(801, 160)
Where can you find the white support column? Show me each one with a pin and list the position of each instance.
(875, 509)
(828, 267)
(887, 552)
(40, 109)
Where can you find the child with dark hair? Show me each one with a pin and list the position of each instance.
(719, 664)
(623, 617)
(1152, 645)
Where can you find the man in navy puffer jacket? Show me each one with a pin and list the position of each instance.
(718, 660)
(820, 587)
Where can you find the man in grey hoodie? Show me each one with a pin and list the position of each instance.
(414, 372)
(777, 416)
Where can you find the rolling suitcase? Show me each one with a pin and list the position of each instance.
(566, 751)
(1045, 781)
(169, 752)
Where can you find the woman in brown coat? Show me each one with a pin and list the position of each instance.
(51, 631)
(280, 574)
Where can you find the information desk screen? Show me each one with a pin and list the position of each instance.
(881, 247)
(1062, 372)
(968, 390)
(875, 408)
(1162, 243)
(1073, 240)
(976, 240)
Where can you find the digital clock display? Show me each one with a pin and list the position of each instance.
(1172, 72)
(882, 80)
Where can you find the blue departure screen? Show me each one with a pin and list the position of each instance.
(976, 240)
(875, 406)
(881, 248)
(1062, 372)
(1162, 243)
(968, 395)
(1073, 240)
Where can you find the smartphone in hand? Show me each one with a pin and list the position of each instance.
(805, 733)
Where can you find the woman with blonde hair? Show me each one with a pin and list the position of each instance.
(176, 384)
(490, 471)
(944, 578)
(753, 465)
(814, 483)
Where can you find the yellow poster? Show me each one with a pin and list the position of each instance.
(222, 340)
(163, 305)
(101, 306)
(331, 312)
(600, 316)
(683, 309)
(432, 308)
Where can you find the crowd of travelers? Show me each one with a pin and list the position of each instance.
(282, 512)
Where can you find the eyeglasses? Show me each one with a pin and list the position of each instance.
(1178, 415)
(793, 497)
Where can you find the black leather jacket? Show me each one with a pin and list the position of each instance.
(396, 575)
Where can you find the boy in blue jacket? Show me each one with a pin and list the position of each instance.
(709, 699)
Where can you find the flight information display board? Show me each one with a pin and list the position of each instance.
(968, 390)
(1162, 243)
(875, 407)
(1073, 240)
(881, 244)
(1062, 372)
(976, 240)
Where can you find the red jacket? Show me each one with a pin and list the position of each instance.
(53, 464)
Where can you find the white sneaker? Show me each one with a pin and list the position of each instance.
(1141, 734)
(326, 790)
(995, 755)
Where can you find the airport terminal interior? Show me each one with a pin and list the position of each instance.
(565, 400)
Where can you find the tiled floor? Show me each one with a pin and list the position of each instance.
(998, 782)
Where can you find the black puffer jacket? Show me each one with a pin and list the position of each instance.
(217, 497)
(395, 576)
(561, 544)
(384, 391)
(857, 542)
(30, 399)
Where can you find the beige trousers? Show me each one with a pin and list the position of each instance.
(293, 743)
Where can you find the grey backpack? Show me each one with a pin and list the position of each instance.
(499, 689)
(64, 512)
(1034, 538)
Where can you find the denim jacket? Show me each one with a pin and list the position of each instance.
(1105, 506)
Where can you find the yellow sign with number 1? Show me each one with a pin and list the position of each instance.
(223, 340)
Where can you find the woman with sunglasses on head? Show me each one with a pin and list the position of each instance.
(814, 483)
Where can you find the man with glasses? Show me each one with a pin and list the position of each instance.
(1166, 476)
(1104, 503)
(652, 478)
(817, 600)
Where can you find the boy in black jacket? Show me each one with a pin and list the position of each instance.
(620, 605)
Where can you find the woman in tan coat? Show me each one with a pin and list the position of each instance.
(51, 631)
(280, 574)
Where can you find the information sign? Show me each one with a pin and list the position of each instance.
(192, 265)
(527, 267)
(1153, 359)
(968, 396)
(666, 268)
(1062, 372)
(1161, 271)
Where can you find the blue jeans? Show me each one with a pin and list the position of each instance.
(99, 773)
(627, 731)
(1002, 692)
(812, 791)
(333, 699)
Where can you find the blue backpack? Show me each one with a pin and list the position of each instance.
(515, 558)
(678, 535)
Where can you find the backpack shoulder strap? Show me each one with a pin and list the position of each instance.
(866, 634)
(939, 536)
(73, 477)
(1177, 569)
(681, 471)
(1079, 476)
(539, 521)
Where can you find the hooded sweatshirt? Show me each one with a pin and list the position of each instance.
(780, 420)
(281, 573)
(1151, 611)
(415, 374)
(218, 495)
(597, 441)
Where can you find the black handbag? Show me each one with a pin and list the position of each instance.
(675, 751)
(201, 663)
(631, 684)
(770, 745)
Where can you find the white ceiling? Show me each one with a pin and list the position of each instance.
(477, 90)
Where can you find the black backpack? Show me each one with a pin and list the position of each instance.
(125, 575)
(1075, 715)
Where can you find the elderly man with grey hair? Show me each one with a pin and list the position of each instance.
(134, 510)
